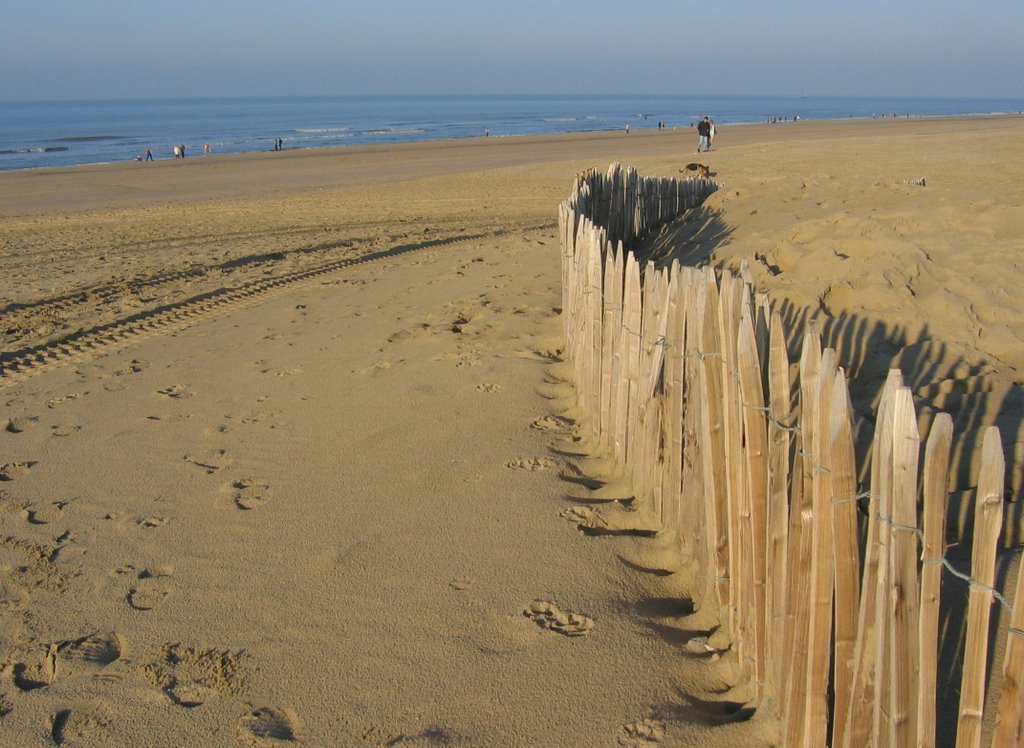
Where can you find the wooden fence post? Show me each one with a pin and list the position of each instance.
(652, 371)
(883, 603)
(1010, 717)
(712, 439)
(936, 477)
(798, 565)
(904, 593)
(988, 520)
(864, 699)
(756, 446)
(675, 374)
(610, 326)
(594, 310)
(629, 350)
(780, 414)
(697, 504)
(822, 571)
(732, 430)
(847, 553)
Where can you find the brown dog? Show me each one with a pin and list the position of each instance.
(695, 171)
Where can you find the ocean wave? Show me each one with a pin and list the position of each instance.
(321, 130)
(40, 149)
(324, 136)
(560, 119)
(87, 138)
(394, 131)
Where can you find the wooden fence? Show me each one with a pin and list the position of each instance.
(829, 592)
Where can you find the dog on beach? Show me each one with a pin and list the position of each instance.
(695, 171)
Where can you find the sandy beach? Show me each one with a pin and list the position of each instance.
(299, 461)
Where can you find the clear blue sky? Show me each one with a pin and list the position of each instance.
(84, 49)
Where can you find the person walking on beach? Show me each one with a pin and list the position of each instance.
(149, 154)
(177, 151)
(704, 135)
(711, 134)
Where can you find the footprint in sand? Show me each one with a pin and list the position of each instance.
(85, 724)
(551, 423)
(641, 733)
(211, 461)
(251, 493)
(12, 595)
(90, 654)
(151, 588)
(584, 515)
(90, 371)
(55, 401)
(549, 616)
(18, 425)
(134, 367)
(268, 726)
(28, 676)
(15, 470)
(176, 392)
(377, 367)
(532, 464)
(409, 332)
(62, 430)
(86, 656)
(487, 387)
(190, 677)
(44, 513)
(152, 520)
(282, 372)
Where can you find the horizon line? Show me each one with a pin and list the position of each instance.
(243, 97)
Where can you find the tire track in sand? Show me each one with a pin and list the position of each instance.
(85, 344)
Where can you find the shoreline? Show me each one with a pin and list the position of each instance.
(601, 131)
(123, 184)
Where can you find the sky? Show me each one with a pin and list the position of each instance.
(111, 49)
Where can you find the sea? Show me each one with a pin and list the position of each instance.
(46, 134)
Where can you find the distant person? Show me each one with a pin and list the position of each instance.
(704, 135)
(487, 132)
(711, 135)
(207, 150)
(149, 154)
(182, 147)
(627, 128)
(177, 151)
